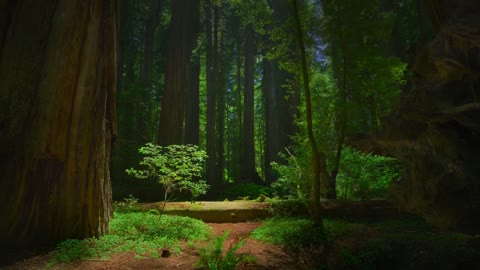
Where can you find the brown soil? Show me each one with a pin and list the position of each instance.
(267, 256)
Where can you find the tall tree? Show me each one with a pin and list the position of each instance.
(180, 41)
(318, 160)
(221, 71)
(141, 62)
(280, 104)
(211, 55)
(192, 114)
(57, 74)
(367, 81)
(151, 24)
(248, 171)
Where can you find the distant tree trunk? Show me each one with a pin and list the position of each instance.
(317, 158)
(280, 105)
(239, 111)
(172, 113)
(272, 98)
(211, 35)
(248, 172)
(57, 120)
(272, 130)
(192, 113)
(151, 24)
(220, 114)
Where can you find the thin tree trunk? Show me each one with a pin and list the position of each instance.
(211, 94)
(58, 120)
(248, 172)
(239, 149)
(316, 156)
(341, 127)
(220, 113)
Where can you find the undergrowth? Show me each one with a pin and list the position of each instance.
(406, 243)
(295, 233)
(212, 256)
(142, 233)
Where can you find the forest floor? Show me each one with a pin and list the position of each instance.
(268, 256)
(381, 241)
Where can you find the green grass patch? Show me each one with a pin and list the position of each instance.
(142, 233)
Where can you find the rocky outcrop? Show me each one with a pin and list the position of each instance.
(436, 129)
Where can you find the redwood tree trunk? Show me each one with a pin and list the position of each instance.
(211, 36)
(248, 172)
(180, 42)
(151, 24)
(57, 119)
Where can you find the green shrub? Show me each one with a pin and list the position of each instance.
(361, 176)
(365, 176)
(173, 166)
(293, 177)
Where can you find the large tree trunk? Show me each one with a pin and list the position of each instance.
(151, 24)
(180, 42)
(192, 113)
(57, 119)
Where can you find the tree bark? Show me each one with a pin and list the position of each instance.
(151, 24)
(280, 106)
(57, 120)
(221, 113)
(180, 42)
(211, 95)
(271, 121)
(192, 113)
(248, 172)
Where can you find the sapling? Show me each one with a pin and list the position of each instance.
(173, 166)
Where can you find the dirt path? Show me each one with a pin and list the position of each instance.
(267, 256)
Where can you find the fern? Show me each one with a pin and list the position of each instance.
(212, 257)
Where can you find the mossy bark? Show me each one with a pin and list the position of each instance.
(57, 119)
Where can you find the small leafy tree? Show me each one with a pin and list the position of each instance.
(173, 166)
